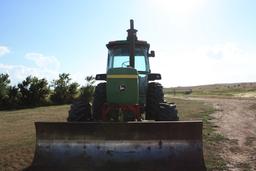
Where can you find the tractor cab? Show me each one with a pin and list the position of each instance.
(123, 57)
(119, 57)
(130, 53)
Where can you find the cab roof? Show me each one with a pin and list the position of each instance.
(118, 43)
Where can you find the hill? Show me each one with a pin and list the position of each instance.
(225, 89)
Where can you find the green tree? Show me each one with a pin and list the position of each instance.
(33, 91)
(13, 100)
(64, 91)
(4, 86)
(88, 90)
(4, 83)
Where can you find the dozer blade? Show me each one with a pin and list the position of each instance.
(158, 146)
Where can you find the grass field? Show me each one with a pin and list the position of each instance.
(216, 90)
(18, 133)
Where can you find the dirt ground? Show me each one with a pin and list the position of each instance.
(236, 120)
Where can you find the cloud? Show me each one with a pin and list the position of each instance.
(226, 50)
(222, 63)
(45, 62)
(45, 67)
(4, 50)
(18, 73)
(180, 7)
(215, 54)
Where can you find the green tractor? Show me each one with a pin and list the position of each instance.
(128, 92)
(128, 127)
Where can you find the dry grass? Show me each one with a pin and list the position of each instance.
(18, 134)
(232, 90)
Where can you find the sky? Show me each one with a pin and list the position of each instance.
(196, 41)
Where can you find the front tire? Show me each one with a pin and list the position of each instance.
(155, 96)
(80, 111)
(168, 112)
(99, 99)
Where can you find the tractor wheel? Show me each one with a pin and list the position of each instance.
(168, 112)
(99, 99)
(79, 111)
(155, 96)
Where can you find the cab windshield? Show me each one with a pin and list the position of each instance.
(120, 57)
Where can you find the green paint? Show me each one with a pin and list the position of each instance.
(122, 86)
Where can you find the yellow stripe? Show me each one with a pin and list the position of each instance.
(122, 76)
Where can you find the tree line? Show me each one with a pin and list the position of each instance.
(33, 92)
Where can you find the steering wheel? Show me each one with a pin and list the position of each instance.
(124, 64)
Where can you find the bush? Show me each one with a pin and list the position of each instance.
(33, 91)
(4, 85)
(64, 91)
(88, 90)
(36, 92)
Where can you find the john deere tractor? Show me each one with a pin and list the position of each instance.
(129, 91)
(129, 125)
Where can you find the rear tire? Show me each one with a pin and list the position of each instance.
(168, 112)
(99, 100)
(155, 96)
(80, 111)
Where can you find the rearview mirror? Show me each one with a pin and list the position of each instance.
(151, 54)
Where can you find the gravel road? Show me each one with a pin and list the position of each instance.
(236, 120)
